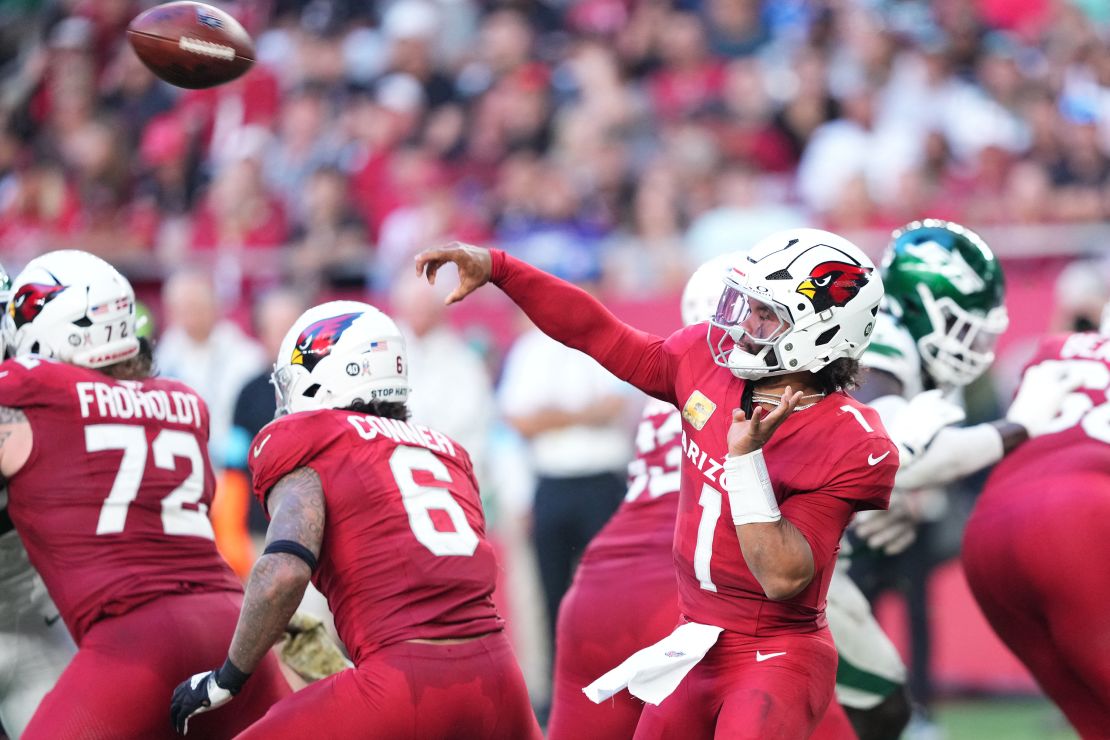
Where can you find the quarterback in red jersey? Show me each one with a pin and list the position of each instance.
(754, 548)
(384, 517)
(109, 487)
(1038, 539)
(627, 569)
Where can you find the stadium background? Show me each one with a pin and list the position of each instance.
(617, 143)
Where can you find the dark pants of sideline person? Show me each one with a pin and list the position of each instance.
(566, 514)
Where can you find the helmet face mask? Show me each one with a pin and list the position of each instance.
(338, 354)
(752, 326)
(800, 300)
(74, 307)
(964, 349)
(947, 288)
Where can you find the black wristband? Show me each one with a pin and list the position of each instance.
(231, 678)
(291, 547)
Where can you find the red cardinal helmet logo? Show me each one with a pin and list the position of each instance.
(833, 284)
(29, 300)
(317, 339)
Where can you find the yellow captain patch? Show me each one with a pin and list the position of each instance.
(698, 409)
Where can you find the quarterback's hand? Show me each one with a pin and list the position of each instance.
(890, 531)
(1041, 396)
(748, 435)
(474, 263)
(203, 693)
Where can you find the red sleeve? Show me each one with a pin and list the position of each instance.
(573, 317)
(286, 444)
(32, 381)
(821, 518)
(868, 482)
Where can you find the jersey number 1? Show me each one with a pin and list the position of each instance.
(420, 501)
(169, 445)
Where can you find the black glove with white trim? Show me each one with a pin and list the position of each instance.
(205, 692)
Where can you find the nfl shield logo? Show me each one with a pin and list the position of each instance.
(205, 19)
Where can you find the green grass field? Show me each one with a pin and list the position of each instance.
(1002, 719)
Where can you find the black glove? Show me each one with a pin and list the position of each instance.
(204, 692)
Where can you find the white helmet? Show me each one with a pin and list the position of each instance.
(799, 300)
(74, 307)
(703, 290)
(340, 353)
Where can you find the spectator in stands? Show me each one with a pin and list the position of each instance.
(239, 212)
(330, 245)
(577, 421)
(303, 144)
(451, 386)
(206, 350)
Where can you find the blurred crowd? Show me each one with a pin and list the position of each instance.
(614, 140)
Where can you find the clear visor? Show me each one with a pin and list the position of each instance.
(748, 318)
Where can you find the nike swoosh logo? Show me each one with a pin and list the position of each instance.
(760, 657)
(4, 374)
(872, 460)
(51, 621)
(260, 445)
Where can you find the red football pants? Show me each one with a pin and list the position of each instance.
(413, 690)
(120, 682)
(733, 694)
(612, 610)
(1036, 563)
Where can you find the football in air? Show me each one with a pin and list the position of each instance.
(191, 44)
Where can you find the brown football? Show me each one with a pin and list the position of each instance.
(191, 44)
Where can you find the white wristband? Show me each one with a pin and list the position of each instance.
(750, 495)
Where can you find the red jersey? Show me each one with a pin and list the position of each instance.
(404, 553)
(1080, 438)
(826, 462)
(643, 526)
(112, 503)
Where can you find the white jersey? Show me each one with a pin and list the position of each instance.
(893, 350)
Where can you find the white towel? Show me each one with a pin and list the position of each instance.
(654, 672)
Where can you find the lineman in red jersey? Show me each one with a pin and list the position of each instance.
(751, 590)
(109, 486)
(385, 518)
(1037, 542)
(627, 569)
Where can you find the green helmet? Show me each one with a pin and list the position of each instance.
(144, 321)
(946, 287)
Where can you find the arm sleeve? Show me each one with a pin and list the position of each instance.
(573, 317)
(821, 518)
(32, 382)
(867, 483)
(955, 452)
(286, 444)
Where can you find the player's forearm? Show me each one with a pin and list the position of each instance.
(275, 589)
(955, 452)
(573, 317)
(779, 557)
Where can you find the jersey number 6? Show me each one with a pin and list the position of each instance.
(420, 500)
